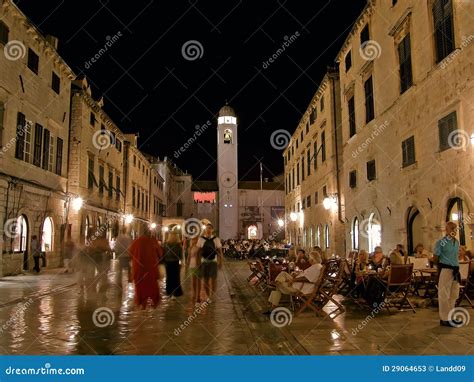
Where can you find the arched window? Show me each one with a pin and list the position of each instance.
(374, 232)
(47, 235)
(355, 233)
(311, 230)
(228, 136)
(87, 229)
(318, 236)
(21, 234)
(326, 236)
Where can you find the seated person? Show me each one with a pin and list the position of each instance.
(464, 254)
(302, 260)
(358, 270)
(401, 250)
(375, 291)
(378, 259)
(420, 251)
(302, 282)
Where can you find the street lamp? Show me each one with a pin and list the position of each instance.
(129, 218)
(165, 229)
(330, 202)
(280, 222)
(293, 216)
(153, 225)
(77, 203)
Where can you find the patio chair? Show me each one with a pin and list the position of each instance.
(398, 286)
(309, 300)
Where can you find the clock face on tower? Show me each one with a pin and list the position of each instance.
(228, 179)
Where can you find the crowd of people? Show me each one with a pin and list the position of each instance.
(147, 260)
(448, 253)
(252, 248)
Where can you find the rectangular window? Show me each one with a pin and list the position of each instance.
(28, 128)
(3, 34)
(371, 172)
(348, 61)
(369, 100)
(364, 34)
(133, 196)
(404, 58)
(308, 201)
(313, 116)
(316, 198)
(308, 154)
(315, 155)
(303, 203)
(293, 178)
(59, 156)
(101, 179)
(92, 119)
(297, 174)
(323, 146)
(117, 188)
(111, 184)
(444, 28)
(321, 103)
(134, 161)
(302, 136)
(353, 179)
(352, 118)
(46, 139)
(302, 167)
(33, 61)
(118, 145)
(51, 153)
(307, 127)
(447, 129)
(325, 192)
(408, 151)
(20, 136)
(2, 116)
(55, 83)
(38, 145)
(90, 174)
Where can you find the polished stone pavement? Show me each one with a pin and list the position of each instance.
(93, 313)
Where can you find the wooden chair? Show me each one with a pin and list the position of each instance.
(309, 300)
(465, 271)
(335, 270)
(397, 287)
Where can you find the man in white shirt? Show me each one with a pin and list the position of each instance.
(210, 251)
(304, 282)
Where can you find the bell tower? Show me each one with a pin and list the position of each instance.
(227, 173)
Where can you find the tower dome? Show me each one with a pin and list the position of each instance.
(226, 111)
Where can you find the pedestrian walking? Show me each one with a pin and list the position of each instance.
(122, 251)
(173, 254)
(193, 263)
(36, 252)
(144, 254)
(446, 256)
(211, 259)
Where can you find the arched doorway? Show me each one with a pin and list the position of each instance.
(47, 235)
(414, 229)
(458, 212)
(20, 240)
(252, 232)
(318, 236)
(355, 233)
(326, 237)
(374, 232)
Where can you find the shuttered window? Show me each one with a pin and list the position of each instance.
(404, 57)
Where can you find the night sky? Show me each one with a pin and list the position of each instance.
(150, 88)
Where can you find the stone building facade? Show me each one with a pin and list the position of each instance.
(313, 164)
(406, 79)
(35, 85)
